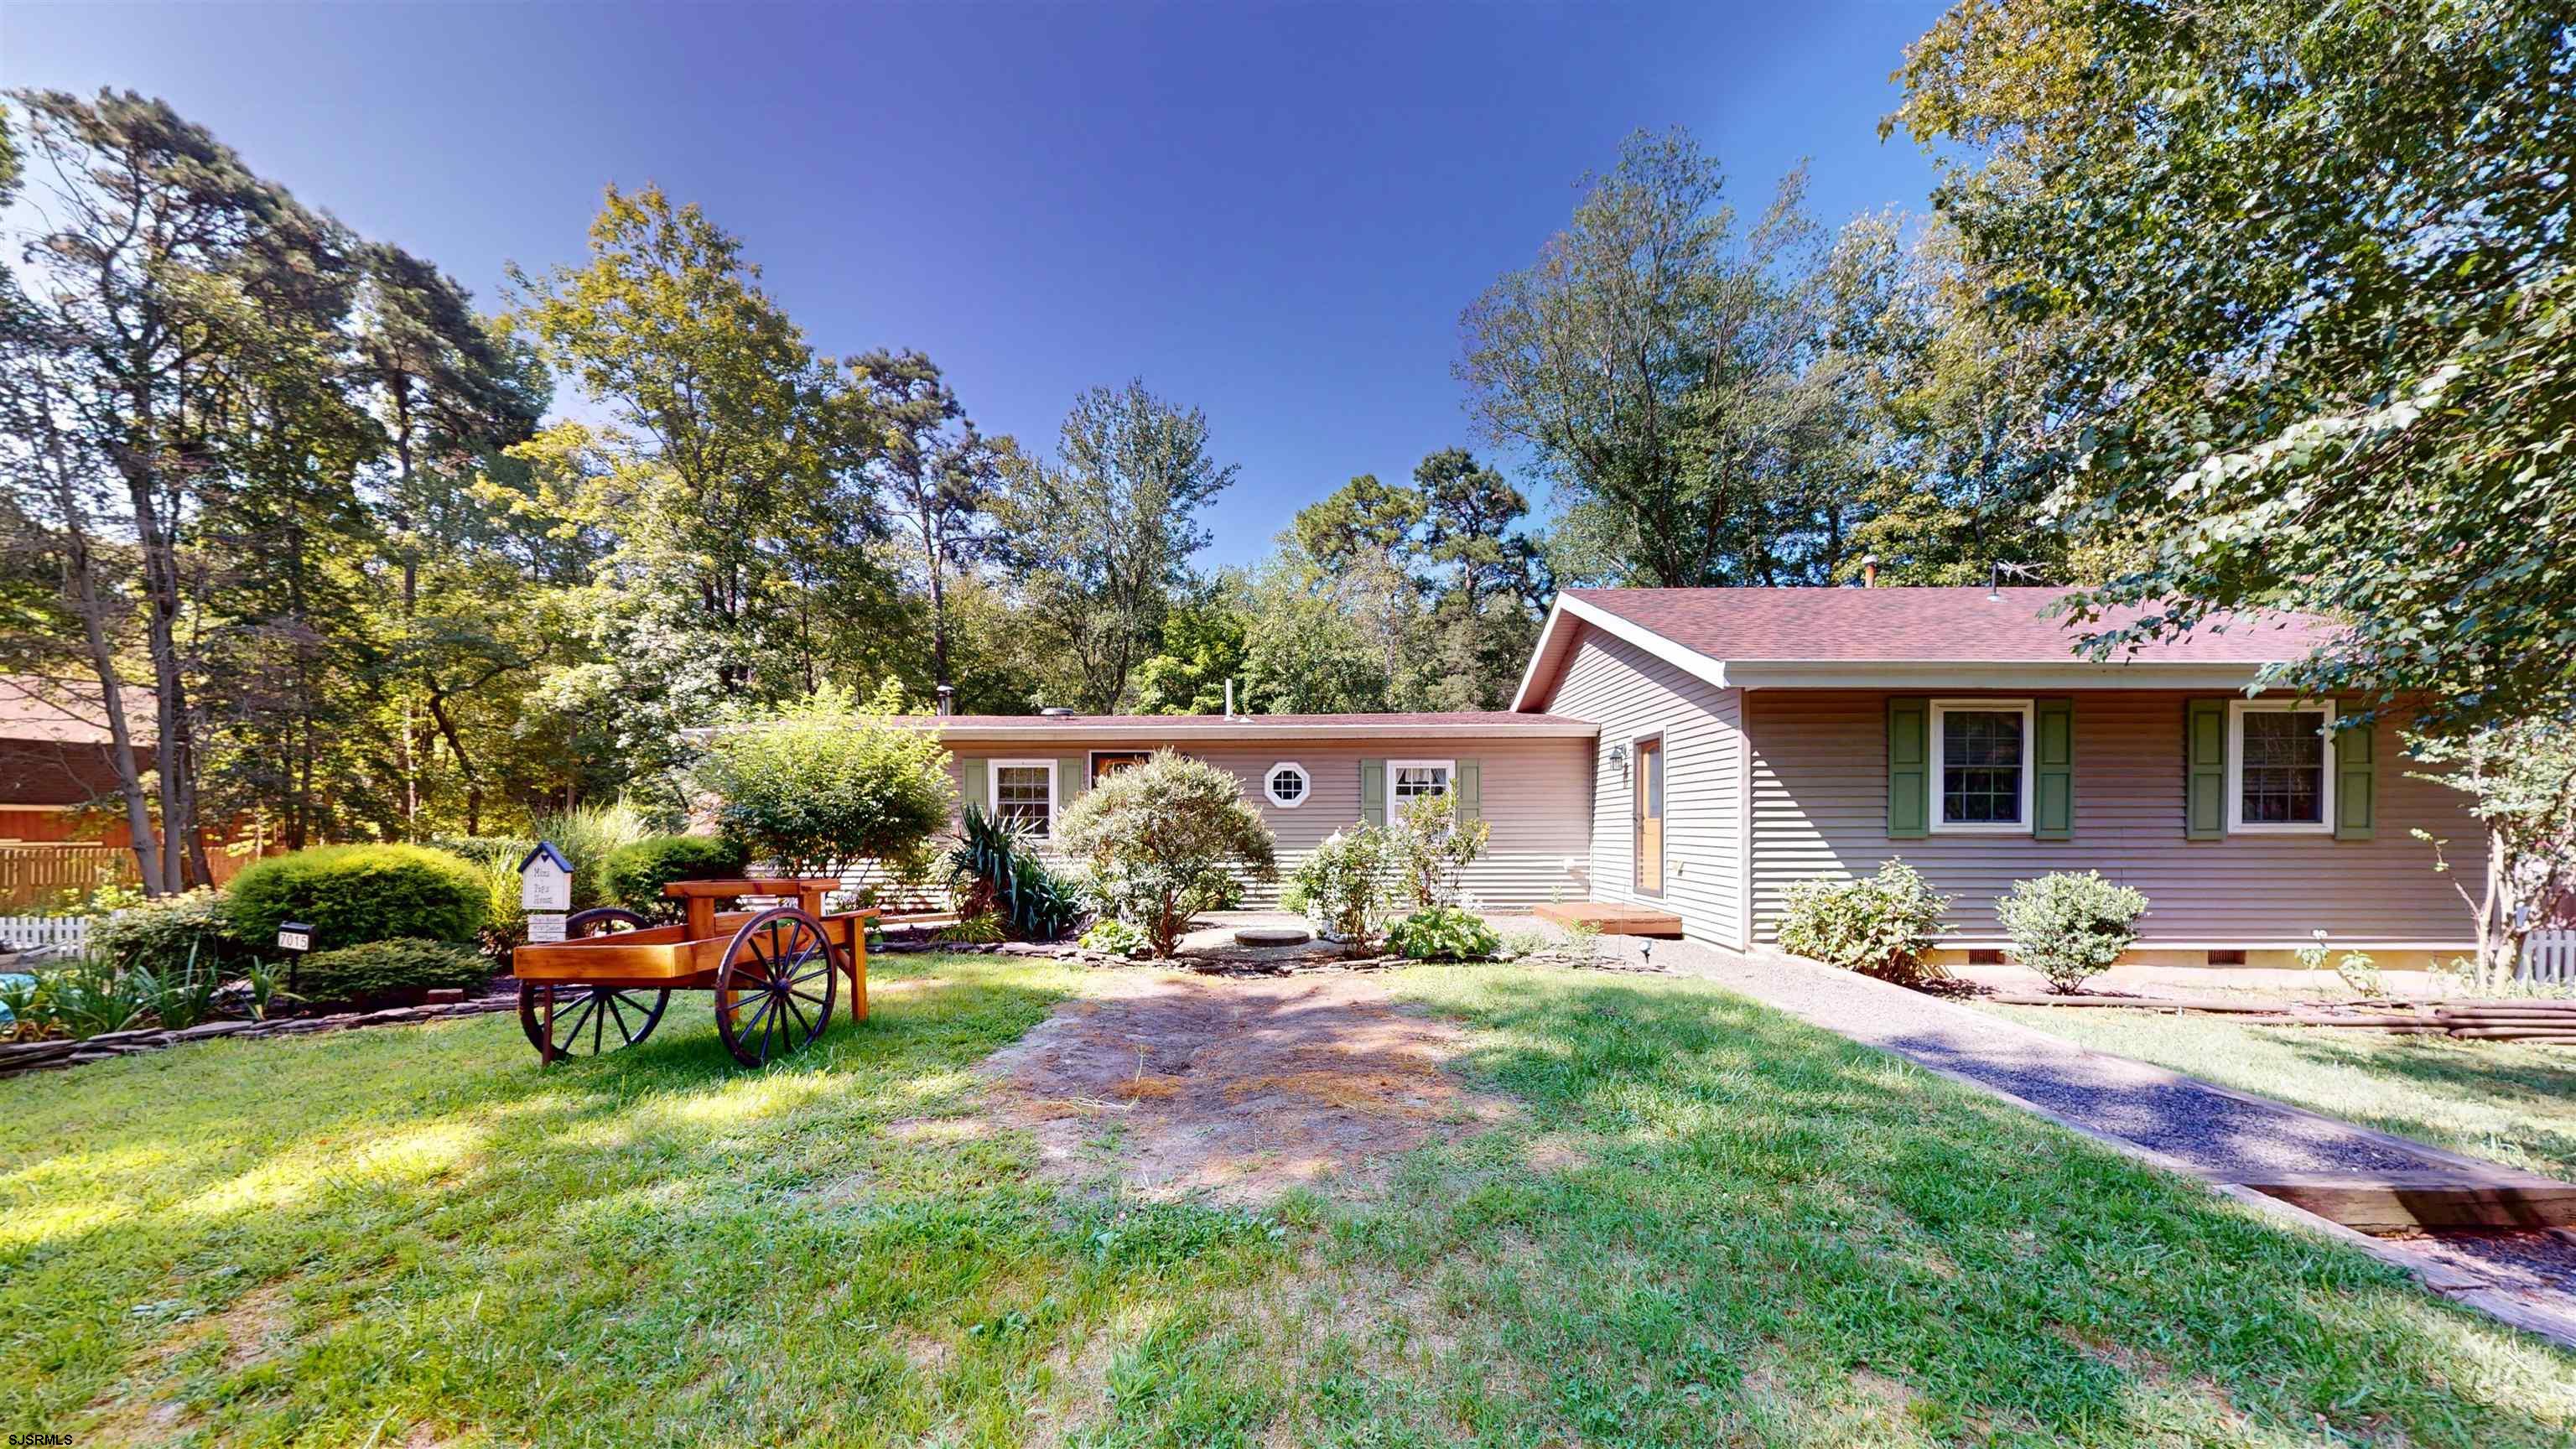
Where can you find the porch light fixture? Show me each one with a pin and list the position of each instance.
(1619, 758)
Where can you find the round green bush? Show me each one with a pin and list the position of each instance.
(352, 894)
(633, 875)
(171, 934)
(1444, 933)
(384, 971)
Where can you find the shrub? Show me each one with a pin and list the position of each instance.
(1431, 849)
(172, 933)
(380, 971)
(972, 930)
(633, 874)
(2067, 926)
(352, 894)
(1115, 937)
(998, 873)
(1444, 934)
(1881, 926)
(1163, 841)
(1341, 885)
(824, 782)
(587, 836)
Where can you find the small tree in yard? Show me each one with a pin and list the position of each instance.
(2524, 777)
(822, 782)
(1882, 926)
(2067, 926)
(1161, 840)
(1433, 848)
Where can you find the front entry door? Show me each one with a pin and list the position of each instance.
(1649, 791)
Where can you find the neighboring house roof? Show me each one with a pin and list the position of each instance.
(54, 740)
(1856, 637)
(1147, 729)
(56, 711)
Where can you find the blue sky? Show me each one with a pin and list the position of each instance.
(1272, 212)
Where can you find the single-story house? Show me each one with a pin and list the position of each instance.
(1699, 751)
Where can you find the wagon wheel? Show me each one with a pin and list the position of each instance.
(765, 1002)
(603, 921)
(588, 1020)
(584, 1016)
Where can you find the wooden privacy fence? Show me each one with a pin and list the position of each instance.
(2548, 958)
(34, 874)
(28, 933)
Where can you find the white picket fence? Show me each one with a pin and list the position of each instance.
(2548, 957)
(26, 933)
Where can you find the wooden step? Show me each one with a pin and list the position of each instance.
(1613, 918)
(2402, 1201)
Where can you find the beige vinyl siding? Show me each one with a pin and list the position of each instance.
(1819, 777)
(1631, 693)
(1533, 794)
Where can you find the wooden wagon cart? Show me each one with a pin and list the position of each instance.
(775, 972)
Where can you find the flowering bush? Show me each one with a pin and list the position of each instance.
(1341, 885)
(1431, 848)
(2067, 926)
(1880, 927)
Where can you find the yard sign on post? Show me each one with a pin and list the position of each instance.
(545, 891)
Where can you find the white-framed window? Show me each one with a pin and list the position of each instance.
(1287, 784)
(1980, 776)
(2280, 766)
(1408, 779)
(1023, 795)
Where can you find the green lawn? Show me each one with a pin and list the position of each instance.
(1712, 1225)
(2509, 1102)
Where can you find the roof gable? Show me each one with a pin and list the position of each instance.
(1748, 636)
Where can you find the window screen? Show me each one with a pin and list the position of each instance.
(1982, 754)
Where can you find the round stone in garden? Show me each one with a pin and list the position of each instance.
(1272, 936)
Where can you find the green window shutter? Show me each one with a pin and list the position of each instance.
(1909, 770)
(1373, 792)
(2204, 760)
(971, 789)
(2052, 784)
(1072, 777)
(1470, 790)
(2356, 783)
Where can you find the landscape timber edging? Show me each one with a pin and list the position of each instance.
(40, 1056)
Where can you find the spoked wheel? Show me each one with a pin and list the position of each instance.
(587, 1021)
(767, 1003)
(602, 921)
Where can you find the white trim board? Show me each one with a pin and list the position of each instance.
(2237, 709)
(993, 788)
(1937, 767)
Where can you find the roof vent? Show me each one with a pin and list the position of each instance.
(1057, 711)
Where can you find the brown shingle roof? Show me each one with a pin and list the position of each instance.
(1437, 719)
(1926, 625)
(64, 712)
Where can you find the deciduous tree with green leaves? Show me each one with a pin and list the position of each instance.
(1100, 539)
(2316, 265)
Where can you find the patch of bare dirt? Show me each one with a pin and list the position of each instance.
(1235, 1088)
